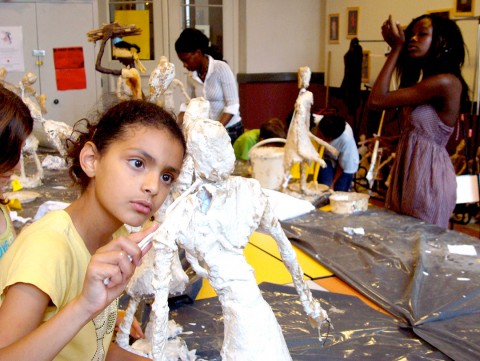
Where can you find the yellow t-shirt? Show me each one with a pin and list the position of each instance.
(51, 255)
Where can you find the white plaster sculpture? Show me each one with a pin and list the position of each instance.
(142, 285)
(299, 148)
(129, 84)
(57, 132)
(31, 143)
(172, 278)
(35, 180)
(162, 82)
(214, 244)
(4, 83)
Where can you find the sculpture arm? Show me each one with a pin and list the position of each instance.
(98, 63)
(177, 83)
(327, 146)
(199, 270)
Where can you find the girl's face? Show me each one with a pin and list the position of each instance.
(419, 43)
(191, 61)
(134, 175)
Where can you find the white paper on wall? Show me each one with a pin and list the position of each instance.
(11, 48)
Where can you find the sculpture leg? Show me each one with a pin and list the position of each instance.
(38, 164)
(161, 284)
(303, 178)
(123, 333)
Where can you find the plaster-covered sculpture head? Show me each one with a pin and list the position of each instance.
(304, 74)
(29, 78)
(211, 148)
(197, 108)
(167, 71)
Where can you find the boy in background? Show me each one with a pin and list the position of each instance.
(271, 128)
(340, 170)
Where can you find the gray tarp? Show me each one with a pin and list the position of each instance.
(406, 266)
(359, 333)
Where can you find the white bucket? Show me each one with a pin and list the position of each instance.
(267, 163)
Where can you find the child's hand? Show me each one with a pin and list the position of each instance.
(112, 261)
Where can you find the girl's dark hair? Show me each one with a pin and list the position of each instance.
(113, 125)
(192, 39)
(16, 124)
(446, 54)
(332, 126)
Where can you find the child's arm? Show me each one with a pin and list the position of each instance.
(21, 332)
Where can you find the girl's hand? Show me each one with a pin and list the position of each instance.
(111, 261)
(393, 34)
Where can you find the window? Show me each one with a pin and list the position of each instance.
(207, 16)
(140, 13)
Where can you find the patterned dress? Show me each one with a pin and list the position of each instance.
(424, 182)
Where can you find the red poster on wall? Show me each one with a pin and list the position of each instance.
(69, 68)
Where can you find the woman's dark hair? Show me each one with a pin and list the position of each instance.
(332, 126)
(113, 125)
(192, 39)
(446, 54)
(16, 124)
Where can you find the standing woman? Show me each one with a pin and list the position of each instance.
(210, 78)
(427, 58)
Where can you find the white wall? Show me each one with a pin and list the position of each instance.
(372, 13)
(269, 36)
(281, 35)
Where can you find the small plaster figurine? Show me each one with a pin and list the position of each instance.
(299, 148)
(128, 82)
(162, 82)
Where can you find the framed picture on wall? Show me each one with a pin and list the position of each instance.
(333, 28)
(352, 22)
(366, 66)
(464, 7)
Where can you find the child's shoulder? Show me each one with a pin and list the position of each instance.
(51, 226)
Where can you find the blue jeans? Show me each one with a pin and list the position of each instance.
(325, 176)
(235, 131)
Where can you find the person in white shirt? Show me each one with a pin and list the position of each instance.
(210, 78)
